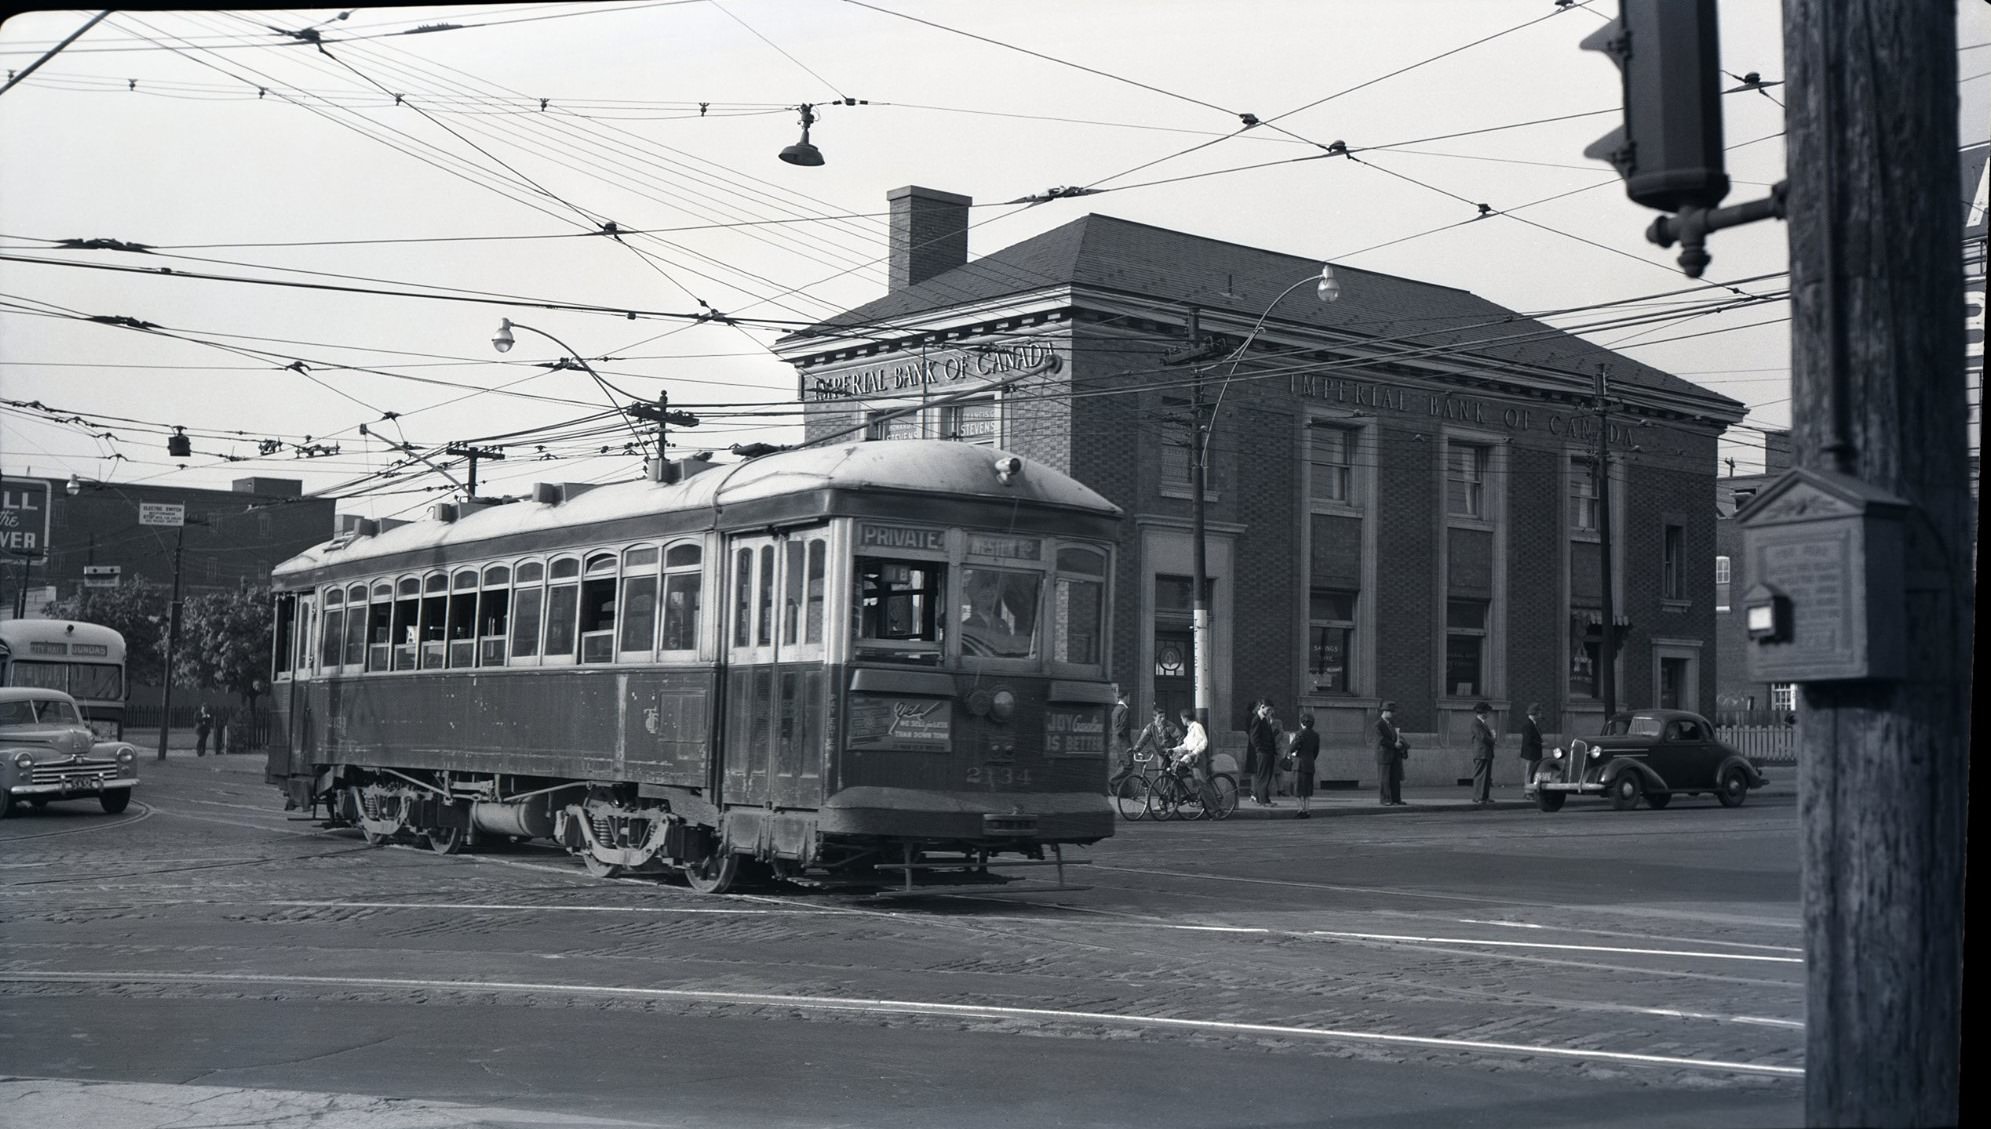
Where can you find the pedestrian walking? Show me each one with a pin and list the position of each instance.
(1306, 749)
(1391, 749)
(1482, 753)
(1531, 746)
(203, 724)
(1122, 724)
(1262, 739)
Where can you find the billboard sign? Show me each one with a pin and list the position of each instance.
(162, 513)
(24, 518)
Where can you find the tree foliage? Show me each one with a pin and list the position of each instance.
(226, 640)
(135, 609)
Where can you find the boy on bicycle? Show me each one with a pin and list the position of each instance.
(1194, 751)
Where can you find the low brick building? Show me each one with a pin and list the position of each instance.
(1400, 501)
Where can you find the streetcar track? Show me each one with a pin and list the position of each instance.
(914, 1008)
(144, 812)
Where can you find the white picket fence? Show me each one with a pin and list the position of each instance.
(1771, 744)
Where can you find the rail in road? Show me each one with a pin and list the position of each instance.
(1611, 952)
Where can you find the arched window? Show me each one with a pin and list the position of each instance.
(684, 580)
(638, 608)
(563, 595)
(598, 609)
(528, 601)
(460, 627)
(494, 604)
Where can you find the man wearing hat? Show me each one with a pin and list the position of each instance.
(1531, 746)
(1390, 750)
(1482, 753)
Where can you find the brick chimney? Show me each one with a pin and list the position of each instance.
(929, 233)
(1776, 452)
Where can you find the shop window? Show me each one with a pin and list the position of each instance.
(971, 421)
(1465, 648)
(1330, 640)
(1331, 463)
(898, 423)
(1582, 495)
(1465, 480)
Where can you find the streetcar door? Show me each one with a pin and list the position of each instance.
(775, 629)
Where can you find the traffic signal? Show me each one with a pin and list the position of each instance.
(1669, 149)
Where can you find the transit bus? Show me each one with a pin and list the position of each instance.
(875, 660)
(83, 660)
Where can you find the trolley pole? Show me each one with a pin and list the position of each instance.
(1878, 394)
(1607, 636)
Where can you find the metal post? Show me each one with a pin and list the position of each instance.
(1200, 629)
(172, 639)
(1607, 636)
(1879, 393)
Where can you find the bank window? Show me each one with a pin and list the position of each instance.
(528, 601)
(999, 612)
(1079, 616)
(1330, 640)
(1465, 480)
(1176, 436)
(639, 600)
(563, 598)
(898, 608)
(1673, 563)
(971, 421)
(1331, 463)
(1465, 648)
(683, 582)
(898, 423)
(598, 609)
(1582, 495)
(1722, 577)
(494, 605)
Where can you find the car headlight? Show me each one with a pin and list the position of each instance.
(126, 755)
(1595, 753)
(24, 760)
(1558, 753)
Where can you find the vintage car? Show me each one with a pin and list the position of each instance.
(1655, 754)
(48, 752)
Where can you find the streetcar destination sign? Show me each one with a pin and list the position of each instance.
(162, 513)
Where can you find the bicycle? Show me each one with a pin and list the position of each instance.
(1131, 786)
(1177, 794)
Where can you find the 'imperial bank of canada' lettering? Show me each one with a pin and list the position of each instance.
(1454, 408)
(943, 368)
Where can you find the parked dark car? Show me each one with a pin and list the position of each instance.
(1654, 754)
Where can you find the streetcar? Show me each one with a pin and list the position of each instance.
(880, 660)
(83, 660)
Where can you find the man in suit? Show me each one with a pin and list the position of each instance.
(1390, 749)
(1482, 753)
(1531, 745)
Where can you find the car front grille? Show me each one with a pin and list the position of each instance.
(74, 772)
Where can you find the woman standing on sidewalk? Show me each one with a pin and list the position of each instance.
(1263, 738)
(1306, 748)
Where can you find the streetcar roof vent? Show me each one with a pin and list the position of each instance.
(573, 490)
(546, 493)
(365, 527)
(443, 511)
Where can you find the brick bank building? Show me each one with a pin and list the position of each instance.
(1400, 502)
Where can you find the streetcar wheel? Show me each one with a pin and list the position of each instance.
(600, 869)
(446, 840)
(1734, 788)
(1625, 791)
(714, 873)
(114, 801)
(1549, 801)
(1132, 797)
(1223, 789)
(1658, 800)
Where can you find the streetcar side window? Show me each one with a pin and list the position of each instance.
(334, 626)
(563, 596)
(791, 595)
(384, 622)
(1080, 607)
(461, 625)
(494, 605)
(897, 607)
(999, 612)
(743, 605)
(435, 608)
(528, 600)
(598, 609)
(766, 633)
(639, 601)
(818, 557)
(284, 651)
(684, 582)
(356, 621)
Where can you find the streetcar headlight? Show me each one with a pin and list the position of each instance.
(1003, 705)
(979, 703)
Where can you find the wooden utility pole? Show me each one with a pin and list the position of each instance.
(1877, 387)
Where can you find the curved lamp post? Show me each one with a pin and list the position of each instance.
(503, 341)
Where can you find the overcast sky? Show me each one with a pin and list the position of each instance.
(426, 164)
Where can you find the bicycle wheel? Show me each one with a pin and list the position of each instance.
(1223, 795)
(1132, 797)
(1189, 796)
(1165, 799)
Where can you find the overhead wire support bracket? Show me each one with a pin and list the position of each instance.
(1691, 227)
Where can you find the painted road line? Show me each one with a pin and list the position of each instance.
(1620, 949)
(1758, 1020)
(910, 1007)
(1640, 936)
(798, 911)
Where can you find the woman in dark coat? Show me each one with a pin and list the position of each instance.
(1306, 748)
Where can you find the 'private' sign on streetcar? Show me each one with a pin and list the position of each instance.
(885, 658)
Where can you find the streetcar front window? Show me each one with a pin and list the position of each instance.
(898, 608)
(999, 612)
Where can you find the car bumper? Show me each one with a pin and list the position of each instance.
(74, 787)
